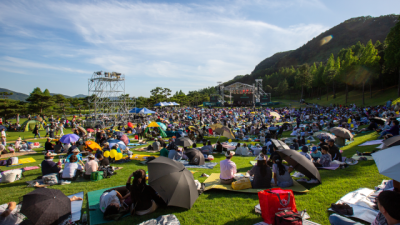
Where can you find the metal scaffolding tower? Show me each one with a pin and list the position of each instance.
(107, 93)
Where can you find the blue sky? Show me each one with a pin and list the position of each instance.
(182, 45)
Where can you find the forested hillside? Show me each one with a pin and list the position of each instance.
(318, 62)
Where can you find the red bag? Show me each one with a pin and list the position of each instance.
(275, 200)
(288, 217)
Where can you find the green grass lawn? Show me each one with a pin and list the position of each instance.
(221, 207)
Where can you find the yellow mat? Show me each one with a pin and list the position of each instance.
(142, 157)
(26, 160)
(212, 182)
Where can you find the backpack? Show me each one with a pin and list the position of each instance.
(96, 176)
(288, 217)
(50, 179)
(108, 171)
(10, 176)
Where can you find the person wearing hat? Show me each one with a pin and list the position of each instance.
(48, 165)
(227, 169)
(325, 159)
(304, 152)
(18, 144)
(106, 147)
(262, 173)
(75, 152)
(315, 154)
(48, 145)
(334, 150)
(90, 166)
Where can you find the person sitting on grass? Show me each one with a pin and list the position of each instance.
(389, 207)
(164, 151)
(58, 148)
(334, 150)
(90, 166)
(304, 152)
(116, 147)
(315, 154)
(393, 131)
(227, 169)
(75, 152)
(371, 127)
(72, 170)
(144, 199)
(325, 160)
(11, 149)
(282, 172)
(262, 173)
(102, 160)
(49, 166)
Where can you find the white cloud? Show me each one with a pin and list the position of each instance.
(201, 43)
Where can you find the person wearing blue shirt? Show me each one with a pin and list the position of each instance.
(75, 152)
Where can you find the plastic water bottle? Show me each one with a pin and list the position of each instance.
(84, 218)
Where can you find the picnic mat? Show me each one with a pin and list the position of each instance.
(26, 160)
(209, 165)
(142, 157)
(374, 142)
(212, 182)
(95, 214)
(76, 207)
(357, 157)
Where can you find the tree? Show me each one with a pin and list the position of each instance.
(303, 78)
(370, 60)
(39, 101)
(62, 103)
(77, 103)
(347, 68)
(283, 87)
(392, 52)
(329, 73)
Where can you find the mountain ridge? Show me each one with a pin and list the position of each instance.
(22, 96)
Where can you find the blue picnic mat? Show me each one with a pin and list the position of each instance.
(205, 166)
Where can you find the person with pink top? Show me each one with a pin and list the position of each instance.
(228, 168)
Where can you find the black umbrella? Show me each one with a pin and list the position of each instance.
(46, 206)
(390, 142)
(378, 120)
(225, 131)
(300, 163)
(183, 141)
(279, 144)
(195, 156)
(173, 182)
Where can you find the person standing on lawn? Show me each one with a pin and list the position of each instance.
(36, 131)
(227, 169)
(3, 137)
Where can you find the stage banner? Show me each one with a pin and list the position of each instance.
(265, 98)
(242, 97)
(214, 99)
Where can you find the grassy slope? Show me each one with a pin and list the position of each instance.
(222, 207)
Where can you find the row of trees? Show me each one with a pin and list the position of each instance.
(40, 102)
(355, 67)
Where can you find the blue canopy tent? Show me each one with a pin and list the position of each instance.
(174, 103)
(146, 111)
(135, 110)
(161, 104)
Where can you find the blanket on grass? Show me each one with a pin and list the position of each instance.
(169, 219)
(374, 142)
(362, 203)
(212, 182)
(208, 165)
